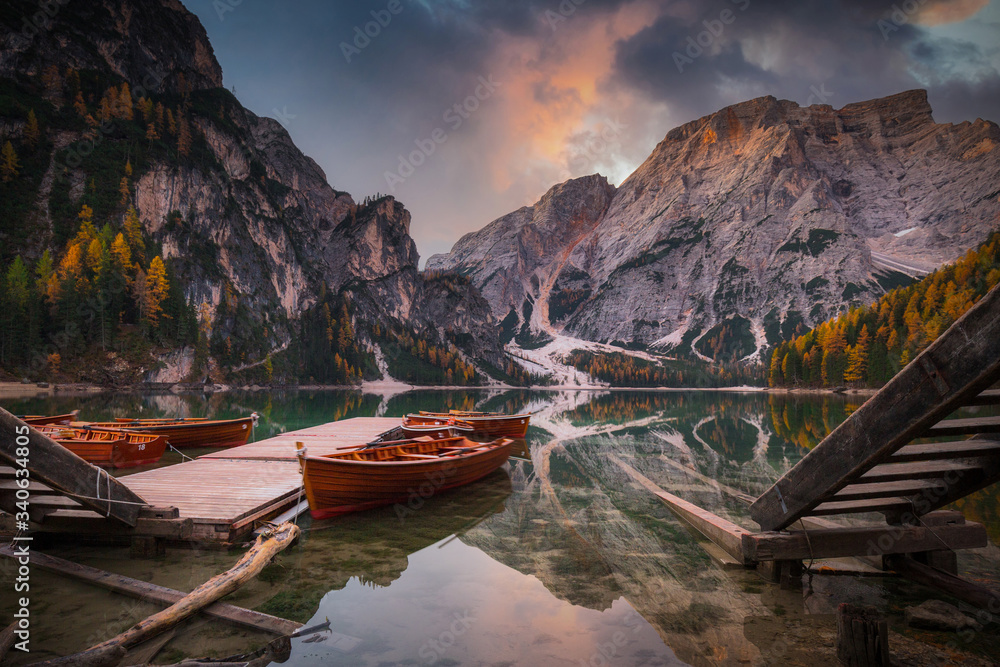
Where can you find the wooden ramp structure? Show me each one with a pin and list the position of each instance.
(220, 497)
(871, 464)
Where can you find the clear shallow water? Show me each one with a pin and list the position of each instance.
(562, 559)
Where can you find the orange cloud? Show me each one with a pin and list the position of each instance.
(938, 12)
(552, 91)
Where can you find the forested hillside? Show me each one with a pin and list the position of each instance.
(868, 345)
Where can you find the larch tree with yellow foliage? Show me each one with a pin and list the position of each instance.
(9, 165)
(157, 287)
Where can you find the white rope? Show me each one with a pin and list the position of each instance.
(183, 455)
(97, 489)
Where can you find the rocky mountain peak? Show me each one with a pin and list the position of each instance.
(747, 223)
(155, 45)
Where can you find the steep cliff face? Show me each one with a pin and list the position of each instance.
(517, 260)
(249, 224)
(768, 213)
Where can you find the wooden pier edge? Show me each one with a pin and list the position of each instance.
(62, 470)
(153, 593)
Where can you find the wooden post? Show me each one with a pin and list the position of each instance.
(862, 636)
(145, 546)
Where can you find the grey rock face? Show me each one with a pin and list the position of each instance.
(938, 615)
(259, 221)
(765, 210)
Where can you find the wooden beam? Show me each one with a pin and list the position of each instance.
(960, 364)
(57, 467)
(950, 427)
(956, 587)
(901, 488)
(867, 541)
(988, 397)
(155, 594)
(85, 522)
(897, 472)
(859, 506)
(937, 451)
(725, 533)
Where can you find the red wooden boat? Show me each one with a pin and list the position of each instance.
(360, 479)
(182, 433)
(42, 420)
(484, 424)
(109, 448)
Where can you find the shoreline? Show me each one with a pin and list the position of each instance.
(17, 390)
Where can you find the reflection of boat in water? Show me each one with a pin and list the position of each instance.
(375, 546)
(364, 478)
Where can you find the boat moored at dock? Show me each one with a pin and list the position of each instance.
(369, 477)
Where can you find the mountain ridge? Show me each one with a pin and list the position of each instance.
(761, 216)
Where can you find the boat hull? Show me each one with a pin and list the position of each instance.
(483, 426)
(126, 452)
(182, 435)
(336, 486)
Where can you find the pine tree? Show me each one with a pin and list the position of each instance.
(157, 288)
(121, 256)
(87, 229)
(79, 105)
(31, 131)
(133, 231)
(124, 189)
(125, 103)
(857, 359)
(9, 166)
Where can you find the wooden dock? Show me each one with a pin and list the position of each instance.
(219, 497)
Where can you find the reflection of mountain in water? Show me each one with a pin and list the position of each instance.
(374, 546)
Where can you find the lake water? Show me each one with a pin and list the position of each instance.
(561, 559)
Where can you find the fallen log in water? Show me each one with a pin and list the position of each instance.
(249, 566)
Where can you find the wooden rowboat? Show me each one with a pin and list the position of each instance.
(436, 431)
(42, 420)
(360, 479)
(187, 433)
(488, 425)
(109, 448)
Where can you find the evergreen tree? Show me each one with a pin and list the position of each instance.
(9, 165)
(31, 130)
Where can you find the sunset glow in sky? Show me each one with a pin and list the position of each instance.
(575, 86)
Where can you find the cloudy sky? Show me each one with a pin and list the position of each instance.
(468, 109)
